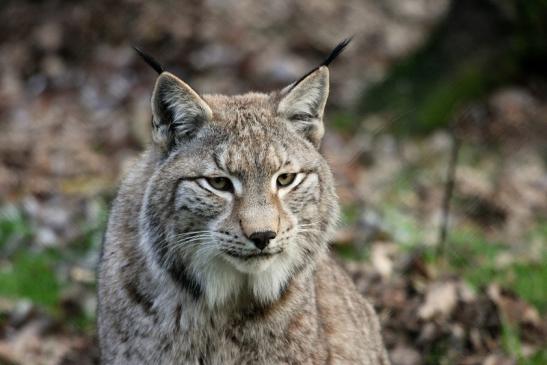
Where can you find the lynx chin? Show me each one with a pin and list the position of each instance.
(216, 250)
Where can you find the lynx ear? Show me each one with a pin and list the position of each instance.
(177, 111)
(303, 104)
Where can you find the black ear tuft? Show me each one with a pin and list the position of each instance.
(149, 60)
(336, 51)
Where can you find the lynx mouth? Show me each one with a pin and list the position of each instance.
(254, 255)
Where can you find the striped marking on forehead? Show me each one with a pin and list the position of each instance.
(240, 111)
(245, 120)
(252, 158)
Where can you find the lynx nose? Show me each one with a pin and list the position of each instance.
(262, 239)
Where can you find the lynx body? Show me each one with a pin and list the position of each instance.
(216, 250)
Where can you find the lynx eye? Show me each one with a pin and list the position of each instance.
(285, 180)
(301, 116)
(220, 183)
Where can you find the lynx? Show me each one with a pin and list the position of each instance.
(216, 250)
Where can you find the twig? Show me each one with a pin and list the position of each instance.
(448, 192)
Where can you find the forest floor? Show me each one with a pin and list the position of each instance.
(74, 107)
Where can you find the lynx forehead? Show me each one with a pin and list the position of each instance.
(217, 245)
(254, 140)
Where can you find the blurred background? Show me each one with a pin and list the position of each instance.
(437, 136)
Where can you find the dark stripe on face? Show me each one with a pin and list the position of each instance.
(177, 271)
(174, 267)
(178, 316)
(138, 297)
(216, 160)
(185, 280)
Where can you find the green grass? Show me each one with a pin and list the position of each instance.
(13, 226)
(31, 273)
(529, 282)
(474, 257)
(513, 346)
(25, 274)
(471, 254)
(539, 358)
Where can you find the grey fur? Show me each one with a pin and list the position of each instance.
(179, 280)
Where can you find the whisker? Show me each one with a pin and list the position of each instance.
(178, 244)
(191, 233)
(309, 231)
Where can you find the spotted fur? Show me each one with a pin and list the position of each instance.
(180, 279)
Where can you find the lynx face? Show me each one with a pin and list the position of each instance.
(241, 199)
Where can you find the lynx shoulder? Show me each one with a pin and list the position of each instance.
(216, 250)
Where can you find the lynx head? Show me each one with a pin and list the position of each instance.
(240, 199)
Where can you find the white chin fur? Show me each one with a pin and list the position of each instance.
(251, 265)
(224, 279)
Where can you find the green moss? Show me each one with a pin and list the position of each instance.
(510, 339)
(31, 276)
(474, 257)
(539, 358)
(13, 226)
(470, 251)
(512, 344)
(465, 58)
(529, 282)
